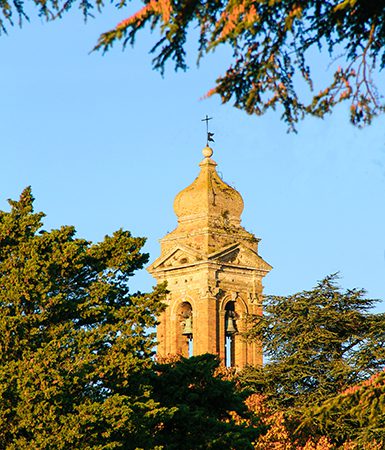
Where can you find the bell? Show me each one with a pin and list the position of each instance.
(187, 329)
(230, 325)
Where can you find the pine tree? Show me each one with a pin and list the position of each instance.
(273, 45)
(356, 415)
(75, 350)
(209, 411)
(317, 343)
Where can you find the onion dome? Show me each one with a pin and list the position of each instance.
(208, 198)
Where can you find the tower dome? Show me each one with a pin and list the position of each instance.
(208, 198)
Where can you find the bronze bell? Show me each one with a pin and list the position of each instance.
(230, 325)
(187, 329)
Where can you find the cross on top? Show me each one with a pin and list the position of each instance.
(209, 134)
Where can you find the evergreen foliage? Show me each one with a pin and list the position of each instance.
(273, 43)
(74, 345)
(356, 415)
(314, 428)
(317, 343)
(209, 412)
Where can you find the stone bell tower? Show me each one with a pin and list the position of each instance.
(213, 272)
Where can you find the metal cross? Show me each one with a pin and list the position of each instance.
(209, 135)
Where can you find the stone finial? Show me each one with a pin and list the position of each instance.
(207, 152)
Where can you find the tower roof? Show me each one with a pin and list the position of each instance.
(208, 198)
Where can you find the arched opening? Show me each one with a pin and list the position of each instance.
(230, 331)
(186, 329)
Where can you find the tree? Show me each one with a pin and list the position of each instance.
(356, 414)
(271, 42)
(75, 351)
(210, 412)
(273, 45)
(318, 343)
(321, 429)
(278, 436)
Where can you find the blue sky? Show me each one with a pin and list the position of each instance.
(106, 143)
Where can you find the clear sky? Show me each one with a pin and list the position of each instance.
(105, 143)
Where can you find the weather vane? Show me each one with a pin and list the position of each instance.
(209, 134)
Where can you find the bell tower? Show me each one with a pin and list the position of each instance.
(213, 272)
